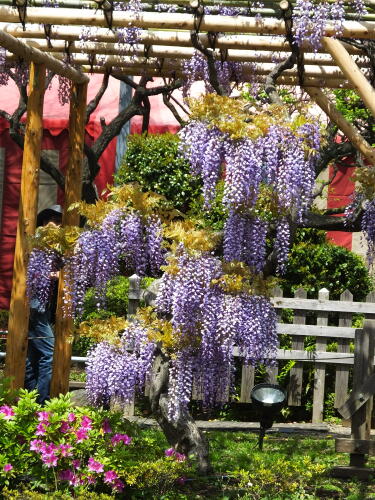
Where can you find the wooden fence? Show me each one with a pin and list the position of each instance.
(323, 312)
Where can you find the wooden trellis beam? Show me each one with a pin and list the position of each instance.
(233, 24)
(349, 130)
(18, 326)
(352, 72)
(166, 51)
(73, 192)
(29, 54)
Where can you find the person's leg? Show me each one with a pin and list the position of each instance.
(45, 349)
(31, 373)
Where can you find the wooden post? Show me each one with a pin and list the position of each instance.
(320, 368)
(296, 373)
(342, 371)
(349, 130)
(363, 368)
(73, 192)
(18, 326)
(351, 71)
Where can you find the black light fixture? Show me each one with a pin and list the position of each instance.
(268, 399)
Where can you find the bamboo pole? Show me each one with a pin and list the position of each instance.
(351, 71)
(170, 38)
(233, 24)
(73, 193)
(31, 54)
(166, 51)
(347, 128)
(18, 326)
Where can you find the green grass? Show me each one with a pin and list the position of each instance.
(289, 468)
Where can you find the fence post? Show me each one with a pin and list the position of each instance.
(296, 373)
(342, 372)
(133, 296)
(320, 369)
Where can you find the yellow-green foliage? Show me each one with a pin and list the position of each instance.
(160, 475)
(25, 494)
(193, 239)
(128, 197)
(102, 330)
(365, 176)
(235, 118)
(238, 278)
(52, 237)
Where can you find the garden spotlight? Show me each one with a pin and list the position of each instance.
(268, 399)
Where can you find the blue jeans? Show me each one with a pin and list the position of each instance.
(39, 354)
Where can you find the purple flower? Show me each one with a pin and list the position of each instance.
(180, 457)
(66, 475)
(86, 423)
(65, 450)
(7, 467)
(41, 428)
(64, 427)
(110, 476)
(50, 460)
(95, 466)
(7, 411)
(106, 426)
(170, 452)
(81, 435)
(119, 485)
(76, 464)
(36, 444)
(43, 416)
(71, 417)
(118, 438)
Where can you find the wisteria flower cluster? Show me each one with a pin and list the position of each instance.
(266, 177)
(42, 264)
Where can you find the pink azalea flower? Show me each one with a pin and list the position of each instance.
(64, 427)
(41, 428)
(36, 444)
(95, 466)
(49, 448)
(71, 417)
(90, 480)
(66, 475)
(119, 485)
(170, 452)
(65, 450)
(118, 438)
(43, 416)
(81, 435)
(110, 476)
(76, 463)
(7, 412)
(86, 422)
(106, 426)
(180, 457)
(50, 460)
(7, 467)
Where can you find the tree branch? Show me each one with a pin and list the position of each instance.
(93, 104)
(172, 109)
(146, 114)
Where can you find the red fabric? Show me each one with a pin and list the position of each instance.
(339, 195)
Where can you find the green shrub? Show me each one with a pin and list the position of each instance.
(317, 266)
(154, 162)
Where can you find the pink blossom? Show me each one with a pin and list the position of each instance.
(90, 480)
(110, 476)
(41, 428)
(95, 466)
(7, 411)
(43, 416)
(180, 457)
(81, 435)
(106, 426)
(50, 460)
(66, 475)
(118, 438)
(64, 427)
(36, 444)
(76, 463)
(71, 417)
(170, 452)
(86, 422)
(65, 450)
(119, 485)
(49, 448)
(7, 467)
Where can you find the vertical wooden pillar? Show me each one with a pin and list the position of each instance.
(73, 192)
(28, 206)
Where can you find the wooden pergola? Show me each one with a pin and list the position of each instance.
(164, 42)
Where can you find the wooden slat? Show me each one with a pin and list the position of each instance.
(73, 193)
(316, 330)
(362, 446)
(19, 307)
(296, 373)
(363, 368)
(320, 370)
(340, 358)
(272, 371)
(342, 372)
(324, 305)
(247, 383)
(358, 397)
(370, 299)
